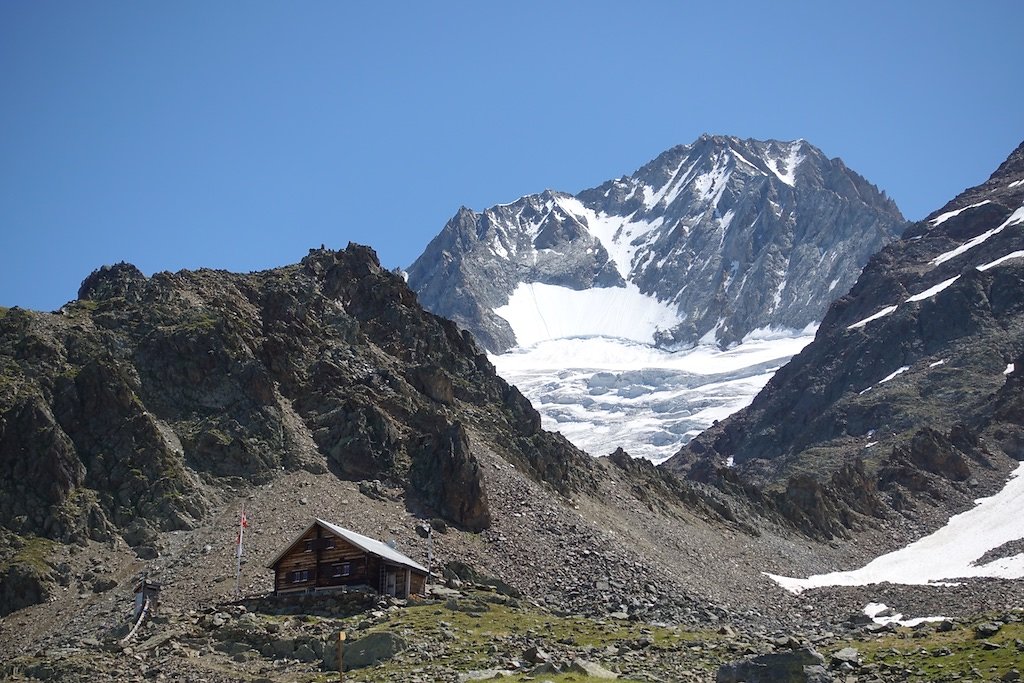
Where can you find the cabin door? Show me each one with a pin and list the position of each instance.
(390, 582)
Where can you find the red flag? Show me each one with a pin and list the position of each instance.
(243, 523)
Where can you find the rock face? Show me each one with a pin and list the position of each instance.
(916, 369)
(732, 235)
(118, 413)
(797, 666)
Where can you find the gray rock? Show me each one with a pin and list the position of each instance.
(305, 653)
(847, 655)
(535, 655)
(592, 669)
(283, 648)
(794, 666)
(986, 630)
(367, 651)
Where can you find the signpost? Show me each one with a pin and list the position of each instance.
(341, 665)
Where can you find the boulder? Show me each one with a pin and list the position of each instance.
(367, 651)
(591, 669)
(803, 665)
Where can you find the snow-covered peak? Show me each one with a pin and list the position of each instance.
(707, 228)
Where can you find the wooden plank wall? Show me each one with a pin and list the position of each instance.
(320, 560)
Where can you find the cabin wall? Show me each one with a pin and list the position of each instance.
(418, 584)
(327, 561)
(323, 565)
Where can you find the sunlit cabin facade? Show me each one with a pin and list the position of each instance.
(326, 556)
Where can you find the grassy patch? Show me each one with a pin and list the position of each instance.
(483, 635)
(34, 552)
(928, 655)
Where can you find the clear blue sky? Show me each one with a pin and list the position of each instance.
(239, 134)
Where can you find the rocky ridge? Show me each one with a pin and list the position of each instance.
(916, 370)
(123, 414)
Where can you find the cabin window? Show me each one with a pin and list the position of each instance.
(309, 546)
(343, 569)
(329, 544)
(300, 575)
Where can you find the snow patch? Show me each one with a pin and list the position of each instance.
(881, 314)
(621, 237)
(942, 218)
(932, 291)
(1016, 183)
(874, 609)
(539, 312)
(951, 552)
(894, 374)
(937, 363)
(1016, 217)
(926, 294)
(1001, 260)
(1009, 369)
(787, 171)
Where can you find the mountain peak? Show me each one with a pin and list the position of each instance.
(730, 235)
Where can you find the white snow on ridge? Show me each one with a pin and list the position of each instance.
(539, 312)
(926, 294)
(1009, 369)
(793, 160)
(894, 374)
(952, 552)
(1016, 217)
(616, 233)
(881, 314)
(1016, 183)
(942, 218)
(932, 291)
(1001, 260)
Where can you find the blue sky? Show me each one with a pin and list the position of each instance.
(238, 135)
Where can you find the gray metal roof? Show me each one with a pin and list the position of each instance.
(364, 543)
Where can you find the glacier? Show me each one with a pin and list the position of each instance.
(604, 392)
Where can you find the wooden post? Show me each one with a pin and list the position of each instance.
(341, 664)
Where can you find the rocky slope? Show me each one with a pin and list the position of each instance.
(917, 370)
(138, 419)
(729, 235)
(120, 414)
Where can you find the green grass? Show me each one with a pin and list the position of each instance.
(34, 552)
(929, 656)
(465, 639)
(563, 678)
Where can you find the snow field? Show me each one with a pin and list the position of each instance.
(602, 393)
(539, 312)
(950, 553)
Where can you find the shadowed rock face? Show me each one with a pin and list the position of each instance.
(736, 234)
(111, 409)
(910, 369)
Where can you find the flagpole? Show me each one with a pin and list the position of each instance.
(238, 554)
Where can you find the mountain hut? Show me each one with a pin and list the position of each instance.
(326, 556)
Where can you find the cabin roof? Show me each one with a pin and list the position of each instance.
(364, 543)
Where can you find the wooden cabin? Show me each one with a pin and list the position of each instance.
(326, 556)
